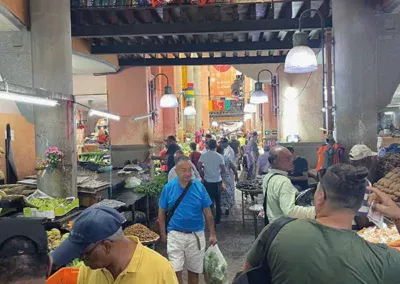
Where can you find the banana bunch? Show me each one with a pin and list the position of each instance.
(55, 239)
(47, 202)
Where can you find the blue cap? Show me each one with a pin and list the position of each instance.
(94, 224)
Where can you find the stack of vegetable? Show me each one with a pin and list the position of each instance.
(154, 187)
(48, 202)
(185, 148)
(94, 157)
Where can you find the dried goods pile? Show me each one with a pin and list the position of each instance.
(390, 184)
(388, 235)
(255, 184)
(15, 189)
(144, 234)
(387, 164)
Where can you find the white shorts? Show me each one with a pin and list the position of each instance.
(183, 249)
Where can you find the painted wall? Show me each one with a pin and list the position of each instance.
(89, 85)
(19, 8)
(128, 97)
(300, 105)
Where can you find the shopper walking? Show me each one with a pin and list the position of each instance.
(228, 151)
(172, 148)
(279, 192)
(251, 153)
(24, 255)
(329, 250)
(173, 174)
(211, 166)
(195, 155)
(108, 255)
(188, 205)
(263, 163)
(228, 183)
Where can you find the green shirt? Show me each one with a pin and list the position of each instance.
(305, 251)
(281, 196)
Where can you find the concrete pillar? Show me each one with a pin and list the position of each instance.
(52, 70)
(204, 97)
(190, 120)
(198, 92)
(355, 73)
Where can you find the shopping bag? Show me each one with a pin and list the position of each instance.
(215, 266)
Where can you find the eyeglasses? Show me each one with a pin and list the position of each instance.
(86, 255)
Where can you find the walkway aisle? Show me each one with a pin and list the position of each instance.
(233, 240)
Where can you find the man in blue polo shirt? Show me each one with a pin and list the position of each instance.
(186, 240)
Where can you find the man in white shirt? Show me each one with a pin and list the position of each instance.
(279, 192)
(228, 151)
(172, 173)
(211, 165)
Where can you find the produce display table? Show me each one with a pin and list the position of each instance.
(252, 193)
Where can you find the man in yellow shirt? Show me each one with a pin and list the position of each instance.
(110, 257)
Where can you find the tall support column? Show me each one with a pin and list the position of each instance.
(190, 120)
(355, 73)
(52, 70)
(198, 104)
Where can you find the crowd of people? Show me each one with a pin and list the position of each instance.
(314, 244)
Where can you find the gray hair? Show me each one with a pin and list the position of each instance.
(181, 159)
(118, 235)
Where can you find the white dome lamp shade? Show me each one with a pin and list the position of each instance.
(259, 96)
(250, 108)
(189, 111)
(168, 100)
(301, 58)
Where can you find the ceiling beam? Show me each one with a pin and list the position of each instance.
(198, 47)
(200, 61)
(191, 28)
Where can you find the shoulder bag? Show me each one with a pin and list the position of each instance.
(171, 211)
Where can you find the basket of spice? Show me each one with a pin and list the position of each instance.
(145, 235)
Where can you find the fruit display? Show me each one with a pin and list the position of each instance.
(154, 187)
(144, 234)
(185, 148)
(55, 239)
(388, 235)
(94, 157)
(390, 184)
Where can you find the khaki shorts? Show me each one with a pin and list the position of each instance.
(183, 250)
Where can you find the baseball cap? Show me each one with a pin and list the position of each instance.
(93, 225)
(360, 151)
(22, 227)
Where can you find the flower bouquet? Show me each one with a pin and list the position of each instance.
(53, 157)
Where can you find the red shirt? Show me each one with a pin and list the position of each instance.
(162, 154)
(195, 157)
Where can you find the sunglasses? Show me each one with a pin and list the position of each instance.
(86, 255)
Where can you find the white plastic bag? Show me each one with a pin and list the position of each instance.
(132, 182)
(215, 266)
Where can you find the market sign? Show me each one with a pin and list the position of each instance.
(221, 82)
(222, 68)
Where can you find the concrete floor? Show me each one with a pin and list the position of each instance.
(233, 240)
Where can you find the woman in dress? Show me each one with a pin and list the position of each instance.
(228, 180)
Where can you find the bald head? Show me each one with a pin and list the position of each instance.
(280, 158)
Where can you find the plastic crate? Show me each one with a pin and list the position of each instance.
(65, 275)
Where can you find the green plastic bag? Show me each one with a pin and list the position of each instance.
(215, 266)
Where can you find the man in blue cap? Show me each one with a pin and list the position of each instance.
(109, 256)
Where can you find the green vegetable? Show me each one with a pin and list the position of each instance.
(154, 187)
(48, 203)
(76, 263)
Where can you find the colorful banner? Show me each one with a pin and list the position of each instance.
(221, 81)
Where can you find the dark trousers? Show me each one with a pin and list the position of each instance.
(214, 191)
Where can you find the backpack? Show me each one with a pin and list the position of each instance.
(262, 274)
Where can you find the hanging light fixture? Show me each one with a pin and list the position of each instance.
(168, 100)
(250, 108)
(189, 111)
(301, 58)
(259, 96)
(94, 112)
